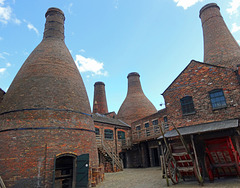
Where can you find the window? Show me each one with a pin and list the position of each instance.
(138, 128)
(187, 105)
(165, 119)
(217, 99)
(155, 122)
(121, 135)
(108, 134)
(166, 127)
(146, 125)
(147, 130)
(97, 131)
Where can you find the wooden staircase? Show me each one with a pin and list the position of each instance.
(108, 153)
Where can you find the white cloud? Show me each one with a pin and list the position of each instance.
(1, 56)
(31, 27)
(17, 21)
(235, 28)
(82, 51)
(2, 70)
(90, 65)
(2, 2)
(4, 54)
(234, 5)
(116, 4)
(1, 38)
(8, 64)
(186, 3)
(6, 14)
(238, 42)
(69, 8)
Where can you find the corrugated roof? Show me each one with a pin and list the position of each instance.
(104, 119)
(202, 128)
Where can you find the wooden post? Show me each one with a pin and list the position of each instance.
(237, 144)
(183, 142)
(164, 159)
(196, 160)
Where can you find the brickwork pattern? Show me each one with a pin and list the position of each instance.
(220, 48)
(100, 101)
(197, 80)
(42, 114)
(136, 105)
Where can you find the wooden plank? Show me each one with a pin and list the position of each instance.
(184, 161)
(185, 169)
(224, 165)
(165, 141)
(2, 185)
(200, 178)
(179, 154)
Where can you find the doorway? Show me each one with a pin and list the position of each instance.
(155, 157)
(65, 172)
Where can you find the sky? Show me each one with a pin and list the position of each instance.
(108, 39)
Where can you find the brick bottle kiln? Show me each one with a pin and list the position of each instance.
(100, 101)
(220, 48)
(136, 105)
(44, 116)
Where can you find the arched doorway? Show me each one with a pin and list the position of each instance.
(71, 171)
(65, 171)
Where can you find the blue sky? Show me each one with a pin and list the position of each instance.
(110, 38)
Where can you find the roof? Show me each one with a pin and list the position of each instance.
(108, 120)
(202, 128)
(201, 63)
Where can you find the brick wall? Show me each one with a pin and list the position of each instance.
(27, 153)
(197, 80)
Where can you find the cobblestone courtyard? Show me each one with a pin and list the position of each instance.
(152, 178)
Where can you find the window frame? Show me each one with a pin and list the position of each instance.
(119, 135)
(214, 91)
(106, 134)
(187, 104)
(154, 120)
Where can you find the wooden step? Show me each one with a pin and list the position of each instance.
(185, 169)
(184, 161)
(179, 154)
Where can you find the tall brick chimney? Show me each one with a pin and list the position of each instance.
(136, 105)
(220, 48)
(99, 101)
(45, 113)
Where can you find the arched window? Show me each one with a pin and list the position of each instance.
(187, 105)
(108, 134)
(121, 135)
(217, 99)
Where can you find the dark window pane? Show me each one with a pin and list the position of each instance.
(138, 128)
(187, 105)
(97, 131)
(108, 134)
(146, 125)
(155, 122)
(121, 135)
(217, 98)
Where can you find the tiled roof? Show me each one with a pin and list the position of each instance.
(108, 120)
